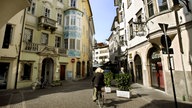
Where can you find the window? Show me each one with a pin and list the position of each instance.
(150, 7)
(31, 9)
(47, 12)
(60, 1)
(28, 35)
(67, 21)
(72, 43)
(66, 43)
(59, 18)
(26, 71)
(73, 3)
(131, 29)
(162, 5)
(78, 45)
(44, 38)
(7, 36)
(73, 20)
(78, 22)
(57, 41)
(120, 17)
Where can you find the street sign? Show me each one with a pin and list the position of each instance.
(163, 27)
(163, 41)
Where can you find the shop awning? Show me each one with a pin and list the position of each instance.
(8, 8)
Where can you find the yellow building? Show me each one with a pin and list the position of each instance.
(10, 35)
(56, 42)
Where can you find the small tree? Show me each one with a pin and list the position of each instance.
(108, 78)
(123, 81)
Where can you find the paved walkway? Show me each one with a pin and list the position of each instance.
(77, 94)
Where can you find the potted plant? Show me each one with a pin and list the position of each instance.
(123, 84)
(107, 79)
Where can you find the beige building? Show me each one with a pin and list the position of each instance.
(10, 36)
(146, 57)
(56, 43)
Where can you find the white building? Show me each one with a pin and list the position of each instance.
(101, 54)
(144, 50)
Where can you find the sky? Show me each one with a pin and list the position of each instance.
(104, 12)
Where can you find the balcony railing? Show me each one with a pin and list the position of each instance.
(33, 47)
(47, 23)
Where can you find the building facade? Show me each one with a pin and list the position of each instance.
(146, 55)
(101, 54)
(55, 42)
(10, 36)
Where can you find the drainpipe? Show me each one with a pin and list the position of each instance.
(20, 45)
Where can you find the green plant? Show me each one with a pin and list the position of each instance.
(108, 78)
(123, 81)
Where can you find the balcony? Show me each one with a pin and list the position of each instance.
(62, 51)
(39, 48)
(47, 24)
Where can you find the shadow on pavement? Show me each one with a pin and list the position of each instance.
(114, 102)
(168, 104)
(16, 96)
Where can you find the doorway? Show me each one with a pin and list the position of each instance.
(47, 70)
(4, 69)
(62, 72)
(157, 79)
(138, 69)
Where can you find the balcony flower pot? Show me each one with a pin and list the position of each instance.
(123, 84)
(107, 79)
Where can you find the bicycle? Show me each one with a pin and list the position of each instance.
(36, 84)
(44, 84)
(100, 100)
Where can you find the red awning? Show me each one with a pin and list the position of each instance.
(8, 8)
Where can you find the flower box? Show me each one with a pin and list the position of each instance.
(107, 89)
(125, 94)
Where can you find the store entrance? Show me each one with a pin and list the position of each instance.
(157, 79)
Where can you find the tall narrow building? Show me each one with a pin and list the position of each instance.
(56, 42)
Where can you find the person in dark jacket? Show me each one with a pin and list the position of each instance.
(98, 82)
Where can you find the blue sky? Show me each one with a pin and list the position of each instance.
(104, 12)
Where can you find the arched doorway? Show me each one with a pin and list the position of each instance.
(157, 79)
(47, 70)
(138, 69)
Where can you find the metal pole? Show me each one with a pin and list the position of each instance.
(170, 66)
(181, 50)
(19, 52)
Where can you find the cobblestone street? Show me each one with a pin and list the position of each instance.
(77, 94)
